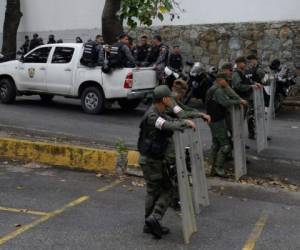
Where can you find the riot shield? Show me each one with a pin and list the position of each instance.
(193, 193)
(260, 120)
(271, 108)
(238, 137)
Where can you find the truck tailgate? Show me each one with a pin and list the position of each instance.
(143, 78)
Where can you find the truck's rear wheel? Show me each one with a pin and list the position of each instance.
(8, 91)
(93, 101)
(129, 105)
(46, 98)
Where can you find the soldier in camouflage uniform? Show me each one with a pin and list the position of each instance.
(244, 87)
(217, 105)
(155, 135)
(227, 68)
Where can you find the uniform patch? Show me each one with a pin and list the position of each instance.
(177, 109)
(160, 122)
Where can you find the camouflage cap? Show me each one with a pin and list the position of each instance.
(161, 92)
(222, 76)
(227, 66)
(241, 59)
(252, 57)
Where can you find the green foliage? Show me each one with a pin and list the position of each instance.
(120, 146)
(144, 11)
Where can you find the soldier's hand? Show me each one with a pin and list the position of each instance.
(190, 123)
(257, 86)
(206, 117)
(244, 103)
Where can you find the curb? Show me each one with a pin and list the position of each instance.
(80, 158)
(61, 155)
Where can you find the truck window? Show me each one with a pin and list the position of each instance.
(38, 56)
(62, 55)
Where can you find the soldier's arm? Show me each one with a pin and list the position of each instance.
(261, 74)
(231, 93)
(237, 84)
(163, 124)
(128, 54)
(224, 100)
(184, 112)
(162, 56)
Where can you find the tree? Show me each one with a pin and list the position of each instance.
(112, 24)
(134, 11)
(12, 20)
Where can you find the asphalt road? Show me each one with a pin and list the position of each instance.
(64, 117)
(74, 215)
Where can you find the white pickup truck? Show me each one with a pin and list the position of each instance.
(55, 69)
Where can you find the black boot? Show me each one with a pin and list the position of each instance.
(155, 228)
(164, 230)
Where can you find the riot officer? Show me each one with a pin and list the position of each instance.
(25, 47)
(162, 52)
(244, 87)
(156, 130)
(122, 56)
(217, 105)
(34, 42)
(175, 60)
(142, 51)
(51, 39)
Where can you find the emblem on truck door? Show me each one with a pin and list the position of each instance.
(31, 72)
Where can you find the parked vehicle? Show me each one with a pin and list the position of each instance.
(55, 69)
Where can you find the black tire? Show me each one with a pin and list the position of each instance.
(8, 91)
(46, 98)
(129, 105)
(93, 100)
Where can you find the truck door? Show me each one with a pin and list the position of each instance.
(33, 70)
(60, 73)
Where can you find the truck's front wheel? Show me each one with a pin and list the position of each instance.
(129, 105)
(93, 101)
(7, 91)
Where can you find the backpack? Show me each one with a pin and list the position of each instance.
(90, 54)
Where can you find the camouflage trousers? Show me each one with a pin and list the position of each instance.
(158, 186)
(221, 146)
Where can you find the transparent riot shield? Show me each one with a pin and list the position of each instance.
(260, 120)
(238, 137)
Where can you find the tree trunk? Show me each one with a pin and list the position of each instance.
(112, 26)
(12, 20)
